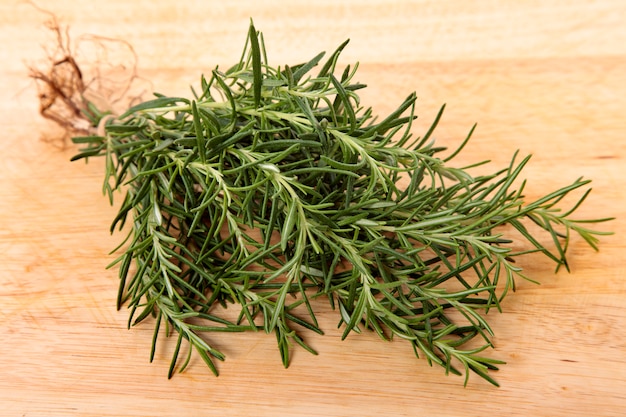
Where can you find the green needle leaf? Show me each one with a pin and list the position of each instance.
(257, 74)
(200, 139)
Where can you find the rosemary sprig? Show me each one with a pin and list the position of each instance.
(272, 187)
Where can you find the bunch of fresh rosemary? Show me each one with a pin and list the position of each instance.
(273, 187)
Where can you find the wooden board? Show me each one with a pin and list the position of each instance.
(545, 77)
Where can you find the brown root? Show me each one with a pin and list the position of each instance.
(80, 82)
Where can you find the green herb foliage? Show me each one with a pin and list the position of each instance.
(272, 188)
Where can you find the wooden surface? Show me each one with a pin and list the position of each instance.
(545, 77)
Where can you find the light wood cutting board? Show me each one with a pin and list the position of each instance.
(545, 77)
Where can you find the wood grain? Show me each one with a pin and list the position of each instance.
(545, 77)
